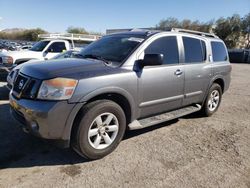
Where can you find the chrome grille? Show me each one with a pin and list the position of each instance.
(20, 83)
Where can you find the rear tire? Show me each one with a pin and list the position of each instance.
(212, 101)
(100, 129)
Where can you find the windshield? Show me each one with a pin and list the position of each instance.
(39, 46)
(113, 48)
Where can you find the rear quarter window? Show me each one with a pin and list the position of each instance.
(219, 51)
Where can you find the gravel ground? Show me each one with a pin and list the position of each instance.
(189, 152)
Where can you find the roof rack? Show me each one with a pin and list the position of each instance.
(69, 36)
(149, 29)
(194, 32)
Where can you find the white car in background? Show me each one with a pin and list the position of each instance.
(42, 50)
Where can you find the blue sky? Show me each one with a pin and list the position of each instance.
(94, 15)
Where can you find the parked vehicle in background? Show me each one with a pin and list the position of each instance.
(9, 45)
(15, 69)
(128, 80)
(239, 55)
(25, 47)
(45, 49)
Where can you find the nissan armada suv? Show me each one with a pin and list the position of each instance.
(128, 80)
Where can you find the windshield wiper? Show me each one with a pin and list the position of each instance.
(92, 56)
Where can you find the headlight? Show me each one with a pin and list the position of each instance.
(7, 59)
(57, 89)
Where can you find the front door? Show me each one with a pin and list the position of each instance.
(161, 87)
(54, 49)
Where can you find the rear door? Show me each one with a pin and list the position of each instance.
(197, 69)
(161, 87)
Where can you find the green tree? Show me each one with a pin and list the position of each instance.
(32, 34)
(76, 30)
(245, 26)
(168, 23)
(171, 22)
(229, 30)
(29, 34)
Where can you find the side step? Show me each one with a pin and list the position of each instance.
(147, 122)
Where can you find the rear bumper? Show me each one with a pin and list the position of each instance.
(45, 119)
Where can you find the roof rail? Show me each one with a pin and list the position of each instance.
(148, 29)
(69, 36)
(194, 32)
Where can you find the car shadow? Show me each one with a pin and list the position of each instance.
(195, 115)
(3, 76)
(21, 150)
(4, 92)
(134, 133)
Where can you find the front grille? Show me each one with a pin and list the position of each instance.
(25, 87)
(20, 83)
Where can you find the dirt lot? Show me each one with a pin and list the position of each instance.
(188, 152)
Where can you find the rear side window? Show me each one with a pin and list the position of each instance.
(57, 47)
(194, 49)
(166, 46)
(219, 51)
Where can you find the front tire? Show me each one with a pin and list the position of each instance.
(213, 100)
(100, 129)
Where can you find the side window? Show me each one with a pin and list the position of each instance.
(57, 47)
(219, 51)
(166, 46)
(194, 49)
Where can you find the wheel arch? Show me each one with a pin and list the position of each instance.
(219, 80)
(121, 97)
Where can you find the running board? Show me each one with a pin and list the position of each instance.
(147, 122)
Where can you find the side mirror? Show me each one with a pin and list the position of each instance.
(153, 59)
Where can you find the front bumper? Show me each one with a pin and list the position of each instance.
(45, 119)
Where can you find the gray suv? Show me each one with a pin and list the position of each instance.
(128, 80)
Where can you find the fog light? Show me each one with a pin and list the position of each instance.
(34, 126)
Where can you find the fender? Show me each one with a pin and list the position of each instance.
(210, 84)
(115, 90)
(70, 120)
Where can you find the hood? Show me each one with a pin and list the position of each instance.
(22, 54)
(68, 68)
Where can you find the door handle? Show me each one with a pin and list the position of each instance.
(178, 72)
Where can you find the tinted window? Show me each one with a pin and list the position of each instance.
(166, 46)
(219, 51)
(39, 46)
(195, 50)
(57, 47)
